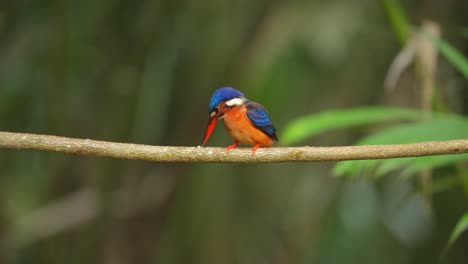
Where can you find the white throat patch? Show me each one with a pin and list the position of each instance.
(235, 102)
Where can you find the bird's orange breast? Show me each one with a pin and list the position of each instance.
(242, 130)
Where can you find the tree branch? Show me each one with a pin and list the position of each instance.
(89, 147)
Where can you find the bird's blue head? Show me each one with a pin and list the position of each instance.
(228, 95)
(222, 95)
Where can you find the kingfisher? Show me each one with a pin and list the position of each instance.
(246, 121)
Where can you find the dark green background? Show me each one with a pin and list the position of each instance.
(143, 72)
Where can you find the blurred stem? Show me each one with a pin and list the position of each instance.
(438, 101)
(427, 62)
(89, 147)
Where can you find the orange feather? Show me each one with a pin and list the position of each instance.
(242, 130)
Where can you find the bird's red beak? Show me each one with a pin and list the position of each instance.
(209, 129)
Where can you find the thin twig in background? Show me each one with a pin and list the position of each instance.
(427, 62)
(88, 147)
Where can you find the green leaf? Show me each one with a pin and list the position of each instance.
(397, 18)
(441, 127)
(460, 227)
(311, 125)
(455, 57)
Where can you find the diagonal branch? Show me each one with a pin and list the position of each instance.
(89, 147)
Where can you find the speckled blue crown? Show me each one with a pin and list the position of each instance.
(222, 95)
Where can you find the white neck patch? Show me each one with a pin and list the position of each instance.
(235, 102)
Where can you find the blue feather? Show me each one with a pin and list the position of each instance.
(260, 119)
(221, 95)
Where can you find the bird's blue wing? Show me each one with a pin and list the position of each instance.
(260, 119)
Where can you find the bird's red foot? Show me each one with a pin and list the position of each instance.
(232, 146)
(255, 149)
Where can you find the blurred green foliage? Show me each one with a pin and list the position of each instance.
(460, 227)
(439, 128)
(303, 127)
(398, 19)
(455, 57)
(143, 72)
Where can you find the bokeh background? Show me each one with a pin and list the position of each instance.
(143, 72)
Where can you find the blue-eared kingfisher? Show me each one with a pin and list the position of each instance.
(246, 121)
